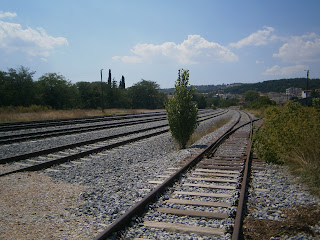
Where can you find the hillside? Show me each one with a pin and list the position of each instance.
(275, 85)
(267, 86)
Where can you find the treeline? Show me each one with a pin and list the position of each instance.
(276, 85)
(279, 86)
(18, 88)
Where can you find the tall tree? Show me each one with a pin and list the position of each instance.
(250, 95)
(122, 83)
(109, 78)
(57, 91)
(182, 113)
(19, 87)
(145, 94)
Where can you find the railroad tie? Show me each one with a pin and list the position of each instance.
(215, 171)
(198, 203)
(214, 195)
(192, 213)
(176, 227)
(213, 180)
(209, 186)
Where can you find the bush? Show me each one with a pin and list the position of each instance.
(291, 135)
(182, 113)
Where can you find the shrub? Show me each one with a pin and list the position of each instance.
(291, 135)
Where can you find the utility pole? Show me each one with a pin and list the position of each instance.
(102, 108)
(307, 87)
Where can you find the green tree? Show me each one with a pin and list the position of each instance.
(250, 95)
(200, 99)
(17, 87)
(57, 92)
(182, 113)
(261, 102)
(90, 94)
(146, 94)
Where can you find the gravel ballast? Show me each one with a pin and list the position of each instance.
(114, 180)
(277, 205)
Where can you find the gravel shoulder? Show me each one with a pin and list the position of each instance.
(279, 207)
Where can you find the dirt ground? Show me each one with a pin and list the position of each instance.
(33, 206)
(298, 221)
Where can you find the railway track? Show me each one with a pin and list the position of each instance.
(202, 198)
(57, 155)
(19, 134)
(4, 127)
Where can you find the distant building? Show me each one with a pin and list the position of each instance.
(293, 92)
(304, 94)
(277, 97)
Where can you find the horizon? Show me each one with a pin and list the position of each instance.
(219, 42)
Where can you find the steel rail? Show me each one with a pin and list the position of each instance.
(237, 233)
(140, 207)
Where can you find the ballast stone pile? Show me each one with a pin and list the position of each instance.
(274, 189)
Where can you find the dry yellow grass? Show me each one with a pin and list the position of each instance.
(199, 134)
(22, 116)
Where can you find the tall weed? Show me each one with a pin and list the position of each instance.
(291, 135)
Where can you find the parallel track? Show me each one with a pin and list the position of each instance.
(212, 180)
(57, 155)
(27, 136)
(62, 122)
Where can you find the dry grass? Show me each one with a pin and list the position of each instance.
(299, 220)
(199, 134)
(256, 112)
(25, 116)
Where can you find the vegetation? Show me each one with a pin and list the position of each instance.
(279, 85)
(291, 135)
(275, 85)
(214, 102)
(255, 101)
(203, 132)
(17, 88)
(145, 94)
(181, 111)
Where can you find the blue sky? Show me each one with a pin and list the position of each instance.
(218, 41)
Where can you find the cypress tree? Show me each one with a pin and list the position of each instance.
(109, 78)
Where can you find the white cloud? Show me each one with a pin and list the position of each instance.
(7, 14)
(128, 59)
(33, 42)
(194, 50)
(261, 37)
(289, 71)
(299, 49)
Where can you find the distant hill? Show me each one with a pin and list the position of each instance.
(267, 86)
(275, 85)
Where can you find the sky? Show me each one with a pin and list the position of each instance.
(219, 42)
